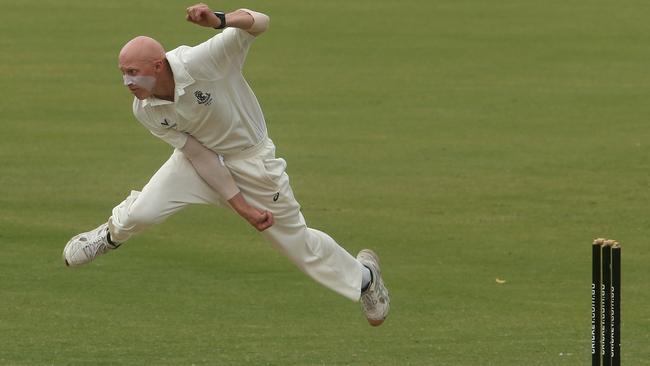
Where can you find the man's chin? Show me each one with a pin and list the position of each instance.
(141, 96)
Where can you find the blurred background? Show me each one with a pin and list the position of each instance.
(465, 141)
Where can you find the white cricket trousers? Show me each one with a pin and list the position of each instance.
(262, 179)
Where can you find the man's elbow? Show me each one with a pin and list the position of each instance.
(192, 149)
(261, 22)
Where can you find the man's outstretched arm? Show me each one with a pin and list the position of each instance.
(208, 165)
(251, 21)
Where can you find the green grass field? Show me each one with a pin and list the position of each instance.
(464, 140)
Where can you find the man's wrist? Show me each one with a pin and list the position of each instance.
(239, 204)
(222, 20)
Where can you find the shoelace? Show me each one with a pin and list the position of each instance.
(372, 298)
(369, 300)
(95, 246)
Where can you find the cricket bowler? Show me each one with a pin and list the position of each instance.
(197, 100)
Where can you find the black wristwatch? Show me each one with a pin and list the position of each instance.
(222, 19)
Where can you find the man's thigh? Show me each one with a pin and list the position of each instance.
(175, 185)
(178, 181)
(265, 184)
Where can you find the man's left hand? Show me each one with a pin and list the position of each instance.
(202, 15)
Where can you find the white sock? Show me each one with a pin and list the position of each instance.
(366, 277)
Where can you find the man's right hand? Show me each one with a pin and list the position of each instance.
(218, 177)
(261, 220)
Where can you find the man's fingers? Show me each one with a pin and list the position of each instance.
(266, 221)
(260, 220)
(189, 13)
(199, 14)
(193, 15)
(269, 220)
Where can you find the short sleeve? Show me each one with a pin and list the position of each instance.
(223, 53)
(175, 138)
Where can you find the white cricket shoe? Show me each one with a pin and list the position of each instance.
(84, 247)
(374, 300)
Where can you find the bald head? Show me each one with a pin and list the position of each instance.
(143, 63)
(142, 48)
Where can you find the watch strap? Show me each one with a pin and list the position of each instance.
(222, 19)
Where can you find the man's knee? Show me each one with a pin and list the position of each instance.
(142, 215)
(133, 214)
(300, 244)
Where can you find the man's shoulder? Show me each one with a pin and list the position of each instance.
(178, 51)
(191, 63)
(182, 51)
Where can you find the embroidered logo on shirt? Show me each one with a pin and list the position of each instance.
(166, 124)
(276, 196)
(203, 98)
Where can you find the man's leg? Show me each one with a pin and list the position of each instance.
(175, 185)
(264, 183)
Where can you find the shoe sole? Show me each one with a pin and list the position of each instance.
(375, 258)
(65, 261)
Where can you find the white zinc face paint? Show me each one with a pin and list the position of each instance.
(146, 82)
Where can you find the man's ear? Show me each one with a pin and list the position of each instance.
(159, 66)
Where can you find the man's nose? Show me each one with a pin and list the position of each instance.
(127, 80)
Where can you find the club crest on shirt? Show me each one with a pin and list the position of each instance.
(203, 98)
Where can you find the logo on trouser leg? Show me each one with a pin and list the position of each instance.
(276, 196)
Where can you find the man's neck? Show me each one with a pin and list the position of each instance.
(166, 85)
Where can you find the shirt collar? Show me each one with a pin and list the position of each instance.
(182, 79)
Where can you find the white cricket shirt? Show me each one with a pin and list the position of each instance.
(212, 101)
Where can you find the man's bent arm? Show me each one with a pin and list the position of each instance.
(209, 167)
(251, 21)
